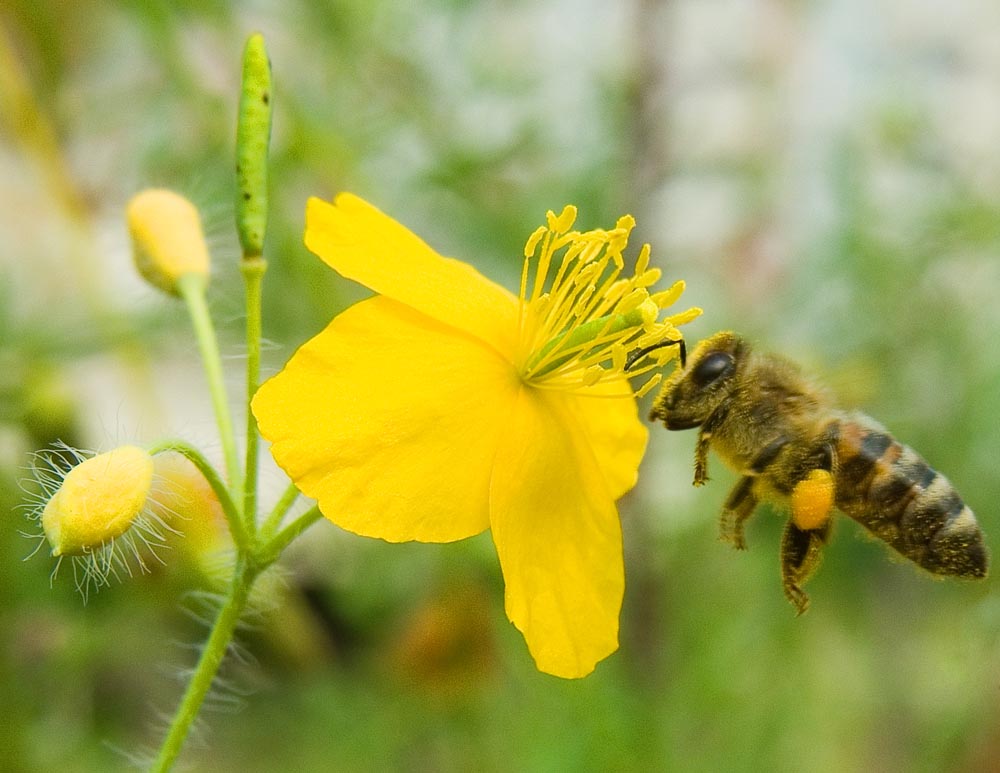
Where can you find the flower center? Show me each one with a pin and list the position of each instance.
(582, 320)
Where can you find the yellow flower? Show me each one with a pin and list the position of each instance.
(446, 405)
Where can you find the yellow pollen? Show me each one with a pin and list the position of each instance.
(812, 499)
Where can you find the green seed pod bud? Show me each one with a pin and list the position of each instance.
(253, 132)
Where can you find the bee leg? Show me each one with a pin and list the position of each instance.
(768, 454)
(739, 506)
(701, 458)
(701, 447)
(801, 551)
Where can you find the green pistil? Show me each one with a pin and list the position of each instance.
(571, 340)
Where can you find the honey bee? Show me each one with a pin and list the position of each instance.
(793, 446)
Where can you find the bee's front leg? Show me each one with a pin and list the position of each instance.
(701, 457)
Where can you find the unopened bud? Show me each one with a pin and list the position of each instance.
(98, 501)
(167, 239)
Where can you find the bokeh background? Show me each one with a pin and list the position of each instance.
(825, 176)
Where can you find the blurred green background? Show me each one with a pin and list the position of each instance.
(826, 178)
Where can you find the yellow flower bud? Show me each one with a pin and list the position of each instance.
(185, 499)
(98, 501)
(167, 238)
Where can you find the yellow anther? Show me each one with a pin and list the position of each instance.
(682, 318)
(649, 277)
(619, 356)
(564, 222)
(625, 223)
(642, 262)
(650, 311)
(633, 300)
(654, 336)
(649, 385)
(667, 297)
(532, 244)
(592, 375)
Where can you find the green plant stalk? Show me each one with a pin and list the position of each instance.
(208, 664)
(256, 550)
(270, 551)
(249, 566)
(281, 508)
(213, 479)
(192, 289)
(253, 277)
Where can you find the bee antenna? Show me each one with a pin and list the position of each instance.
(638, 354)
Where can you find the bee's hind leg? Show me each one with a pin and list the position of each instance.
(739, 506)
(801, 551)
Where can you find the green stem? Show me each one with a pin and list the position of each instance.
(280, 509)
(208, 665)
(205, 467)
(253, 269)
(270, 551)
(192, 289)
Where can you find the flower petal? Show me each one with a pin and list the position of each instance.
(617, 436)
(558, 536)
(365, 245)
(391, 420)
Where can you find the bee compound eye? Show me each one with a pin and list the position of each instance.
(712, 368)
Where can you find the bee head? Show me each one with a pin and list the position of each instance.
(693, 392)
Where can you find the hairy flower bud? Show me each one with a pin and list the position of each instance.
(98, 501)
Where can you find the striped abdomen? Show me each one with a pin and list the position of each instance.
(889, 489)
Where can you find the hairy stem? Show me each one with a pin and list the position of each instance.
(232, 513)
(208, 665)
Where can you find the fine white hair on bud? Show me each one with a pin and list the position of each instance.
(96, 511)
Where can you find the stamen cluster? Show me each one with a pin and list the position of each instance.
(578, 327)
